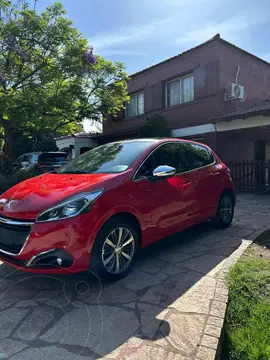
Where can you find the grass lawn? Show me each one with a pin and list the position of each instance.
(247, 332)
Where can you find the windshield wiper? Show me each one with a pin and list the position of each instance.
(74, 172)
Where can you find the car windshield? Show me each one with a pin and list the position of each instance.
(110, 158)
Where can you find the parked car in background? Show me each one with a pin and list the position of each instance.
(40, 162)
(99, 209)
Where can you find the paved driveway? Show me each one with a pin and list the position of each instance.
(158, 312)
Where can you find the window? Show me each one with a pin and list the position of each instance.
(171, 154)
(180, 90)
(26, 158)
(181, 155)
(136, 105)
(198, 156)
(52, 158)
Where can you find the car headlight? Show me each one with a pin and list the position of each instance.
(69, 208)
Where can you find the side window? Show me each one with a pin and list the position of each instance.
(171, 154)
(18, 161)
(198, 156)
(26, 158)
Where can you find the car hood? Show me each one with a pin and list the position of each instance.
(28, 198)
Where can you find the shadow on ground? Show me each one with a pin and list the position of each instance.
(158, 311)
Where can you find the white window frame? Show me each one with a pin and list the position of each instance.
(180, 79)
(137, 105)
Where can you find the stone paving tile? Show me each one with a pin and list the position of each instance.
(174, 257)
(10, 347)
(212, 330)
(52, 352)
(34, 323)
(210, 341)
(190, 326)
(206, 353)
(138, 280)
(9, 319)
(215, 321)
(203, 263)
(151, 319)
(217, 312)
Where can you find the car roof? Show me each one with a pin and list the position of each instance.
(160, 140)
(43, 152)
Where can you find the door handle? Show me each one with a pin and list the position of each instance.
(187, 183)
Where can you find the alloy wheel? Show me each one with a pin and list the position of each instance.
(226, 209)
(118, 250)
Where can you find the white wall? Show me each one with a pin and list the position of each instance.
(77, 142)
(84, 142)
(243, 123)
(65, 143)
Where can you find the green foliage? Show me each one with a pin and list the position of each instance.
(47, 84)
(248, 317)
(23, 143)
(11, 179)
(156, 126)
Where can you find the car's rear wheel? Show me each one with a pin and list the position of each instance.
(115, 249)
(225, 211)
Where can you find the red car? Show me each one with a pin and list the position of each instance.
(99, 209)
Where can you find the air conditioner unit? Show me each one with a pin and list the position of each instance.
(234, 92)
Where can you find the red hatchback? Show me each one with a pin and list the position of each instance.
(99, 209)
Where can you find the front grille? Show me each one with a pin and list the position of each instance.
(13, 237)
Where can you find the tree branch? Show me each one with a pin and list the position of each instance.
(29, 75)
(62, 124)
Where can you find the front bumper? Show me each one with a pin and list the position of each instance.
(62, 246)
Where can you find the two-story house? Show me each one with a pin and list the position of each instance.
(212, 93)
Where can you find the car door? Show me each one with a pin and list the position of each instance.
(26, 162)
(203, 166)
(167, 205)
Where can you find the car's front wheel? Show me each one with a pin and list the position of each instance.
(115, 249)
(225, 211)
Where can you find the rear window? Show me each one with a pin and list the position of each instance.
(52, 158)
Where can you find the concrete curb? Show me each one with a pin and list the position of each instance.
(213, 336)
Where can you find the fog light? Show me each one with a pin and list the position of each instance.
(51, 259)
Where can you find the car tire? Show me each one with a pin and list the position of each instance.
(225, 211)
(115, 249)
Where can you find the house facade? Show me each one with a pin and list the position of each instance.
(197, 91)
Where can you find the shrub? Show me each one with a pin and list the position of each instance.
(156, 126)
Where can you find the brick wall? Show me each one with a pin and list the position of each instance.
(214, 66)
(253, 75)
(239, 145)
(205, 67)
(235, 146)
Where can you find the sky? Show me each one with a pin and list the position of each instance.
(141, 33)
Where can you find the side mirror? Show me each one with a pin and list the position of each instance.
(163, 172)
(25, 163)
